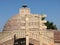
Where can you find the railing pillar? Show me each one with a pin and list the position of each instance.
(27, 40)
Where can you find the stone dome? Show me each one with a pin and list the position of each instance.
(13, 23)
(20, 21)
(17, 22)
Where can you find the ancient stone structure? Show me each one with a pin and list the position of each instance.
(57, 37)
(26, 28)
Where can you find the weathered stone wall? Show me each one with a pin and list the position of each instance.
(8, 42)
(57, 44)
(40, 36)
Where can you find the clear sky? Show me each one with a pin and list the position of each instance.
(9, 8)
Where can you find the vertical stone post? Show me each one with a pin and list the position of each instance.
(27, 40)
(40, 29)
(40, 38)
(27, 31)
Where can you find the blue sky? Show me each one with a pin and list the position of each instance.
(9, 8)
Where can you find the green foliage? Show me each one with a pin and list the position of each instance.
(43, 18)
(50, 25)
